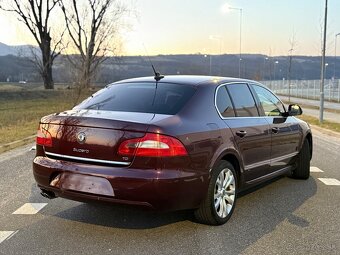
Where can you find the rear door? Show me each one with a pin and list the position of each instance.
(251, 132)
(285, 130)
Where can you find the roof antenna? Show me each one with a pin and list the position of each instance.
(158, 76)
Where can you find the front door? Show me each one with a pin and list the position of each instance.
(285, 131)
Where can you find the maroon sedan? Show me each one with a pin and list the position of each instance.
(173, 143)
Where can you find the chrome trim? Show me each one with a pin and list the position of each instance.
(270, 175)
(88, 159)
(270, 161)
(293, 154)
(215, 99)
(249, 83)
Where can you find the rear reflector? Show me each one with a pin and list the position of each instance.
(152, 145)
(44, 138)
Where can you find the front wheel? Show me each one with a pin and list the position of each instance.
(219, 204)
(302, 170)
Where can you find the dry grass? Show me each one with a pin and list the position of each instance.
(326, 124)
(20, 113)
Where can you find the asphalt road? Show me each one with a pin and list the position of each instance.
(285, 216)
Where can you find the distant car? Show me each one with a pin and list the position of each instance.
(182, 142)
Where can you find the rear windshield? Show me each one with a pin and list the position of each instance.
(140, 97)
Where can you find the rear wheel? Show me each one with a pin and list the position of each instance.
(302, 170)
(219, 204)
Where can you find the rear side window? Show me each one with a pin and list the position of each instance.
(223, 103)
(140, 97)
(243, 100)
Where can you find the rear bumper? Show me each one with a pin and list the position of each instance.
(164, 190)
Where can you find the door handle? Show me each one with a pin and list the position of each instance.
(275, 130)
(241, 133)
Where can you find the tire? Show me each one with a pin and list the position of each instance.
(210, 214)
(302, 170)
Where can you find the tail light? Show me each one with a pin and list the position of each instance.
(152, 145)
(44, 138)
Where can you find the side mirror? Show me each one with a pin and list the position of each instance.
(294, 110)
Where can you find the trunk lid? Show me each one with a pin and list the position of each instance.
(93, 136)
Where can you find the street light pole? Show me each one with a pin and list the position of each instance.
(264, 68)
(219, 39)
(336, 37)
(322, 85)
(240, 56)
(226, 8)
(206, 56)
(275, 63)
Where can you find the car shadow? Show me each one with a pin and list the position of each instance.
(258, 212)
(124, 217)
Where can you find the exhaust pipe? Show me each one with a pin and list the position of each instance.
(48, 194)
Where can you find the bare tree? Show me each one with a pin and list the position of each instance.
(292, 46)
(92, 26)
(35, 14)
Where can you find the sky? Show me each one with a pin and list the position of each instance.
(200, 26)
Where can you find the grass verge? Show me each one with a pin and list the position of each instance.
(326, 124)
(20, 112)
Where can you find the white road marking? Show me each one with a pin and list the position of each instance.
(330, 181)
(4, 235)
(30, 208)
(314, 169)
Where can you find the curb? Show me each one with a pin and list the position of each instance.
(325, 131)
(15, 144)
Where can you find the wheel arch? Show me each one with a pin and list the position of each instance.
(233, 158)
(309, 138)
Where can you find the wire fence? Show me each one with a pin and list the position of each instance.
(309, 89)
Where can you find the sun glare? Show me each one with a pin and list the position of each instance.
(225, 8)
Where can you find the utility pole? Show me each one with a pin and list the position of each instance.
(240, 41)
(322, 84)
(334, 73)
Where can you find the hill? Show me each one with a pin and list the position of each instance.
(253, 66)
(17, 50)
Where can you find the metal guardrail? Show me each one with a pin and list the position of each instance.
(309, 89)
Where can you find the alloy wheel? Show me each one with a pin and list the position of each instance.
(224, 195)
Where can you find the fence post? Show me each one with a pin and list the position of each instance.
(338, 91)
(330, 91)
(297, 88)
(308, 89)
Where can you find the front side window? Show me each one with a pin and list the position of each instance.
(223, 103)
(163, 98)
(269, 102)
(243, 100)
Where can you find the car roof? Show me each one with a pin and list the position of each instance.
(188, 79)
